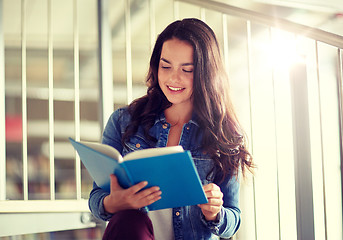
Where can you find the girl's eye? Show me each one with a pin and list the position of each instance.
(165, 67)
(187, 71)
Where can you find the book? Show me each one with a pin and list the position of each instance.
(170, 168)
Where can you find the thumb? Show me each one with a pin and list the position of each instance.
(114, 183)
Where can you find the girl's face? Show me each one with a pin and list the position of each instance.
(175, 71)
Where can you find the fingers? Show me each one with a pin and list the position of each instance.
(142, 197)
(215, 201)
(213, 193)
(134, 197)
(146, 196)
(210, 212)
(133, 189)
(213, 205)
(149, 192)
(212, 190)
(150, 196)
(136, 188)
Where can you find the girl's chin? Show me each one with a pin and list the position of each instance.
(176, 102)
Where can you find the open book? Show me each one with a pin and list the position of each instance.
(170, 168)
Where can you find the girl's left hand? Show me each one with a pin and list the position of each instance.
(215, 201)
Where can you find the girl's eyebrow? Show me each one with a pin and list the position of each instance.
(165, 60)
(184, 64)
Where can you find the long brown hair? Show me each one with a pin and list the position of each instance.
(223, 137)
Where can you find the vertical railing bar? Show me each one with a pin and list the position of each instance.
(51, 103)
(321, 137)
(250, 76)
(105, 63)
(225, 42)
(203, 14)
(340, 109)
(276, 136)
(2, 110)
(176, 7)
(152, 16)
(128, 51)
(298, 79)
(24, 99)
(77, 97)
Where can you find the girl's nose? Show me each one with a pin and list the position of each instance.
(175, 75)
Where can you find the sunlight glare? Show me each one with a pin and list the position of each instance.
(284, 51)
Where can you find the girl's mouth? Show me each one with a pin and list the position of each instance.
(175, 88)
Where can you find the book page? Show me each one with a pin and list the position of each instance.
(152, 152)
(105, 149)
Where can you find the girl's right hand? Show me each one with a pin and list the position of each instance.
(130, 198)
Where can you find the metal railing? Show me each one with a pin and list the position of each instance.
(39, 209)
(271, 21)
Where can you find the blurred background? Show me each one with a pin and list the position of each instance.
(66, 65)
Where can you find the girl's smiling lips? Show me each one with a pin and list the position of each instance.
(175, 89)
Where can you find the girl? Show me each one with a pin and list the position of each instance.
(187, 104)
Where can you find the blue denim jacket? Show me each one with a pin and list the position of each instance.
(189, 222)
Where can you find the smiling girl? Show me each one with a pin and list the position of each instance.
(188, 104)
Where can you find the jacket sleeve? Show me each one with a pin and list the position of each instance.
(228, 220)
(111, 136)
(95, 203)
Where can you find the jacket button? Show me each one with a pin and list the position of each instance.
(138, 145)
(177, 213)
(165, 126)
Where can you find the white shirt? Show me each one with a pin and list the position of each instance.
(162, 224)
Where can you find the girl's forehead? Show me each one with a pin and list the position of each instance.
(177, 50)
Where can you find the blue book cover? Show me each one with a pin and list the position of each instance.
(170, 168)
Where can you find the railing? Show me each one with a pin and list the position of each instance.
(271, 21)
(66, 212)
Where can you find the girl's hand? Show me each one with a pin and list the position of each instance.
(215, 201)
(130, 198)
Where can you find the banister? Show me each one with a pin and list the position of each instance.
(299, 29)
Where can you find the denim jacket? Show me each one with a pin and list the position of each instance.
(188, 222)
